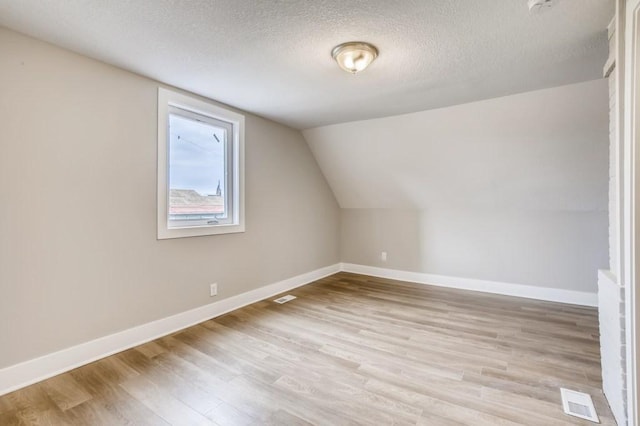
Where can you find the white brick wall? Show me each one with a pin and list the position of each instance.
(611, 304)
(612, 348)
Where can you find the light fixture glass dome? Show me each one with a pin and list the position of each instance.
(354, 56)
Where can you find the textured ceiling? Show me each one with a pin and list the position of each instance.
(272, 58)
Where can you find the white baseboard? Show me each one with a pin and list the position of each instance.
(26, 373)
(520, 290)
(20, 375)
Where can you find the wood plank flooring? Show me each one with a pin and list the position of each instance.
(350, 350)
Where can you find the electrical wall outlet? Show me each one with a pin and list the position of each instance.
(213, 289)
(383, 256)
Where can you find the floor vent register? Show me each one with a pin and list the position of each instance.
(284, 299)
(578, 404)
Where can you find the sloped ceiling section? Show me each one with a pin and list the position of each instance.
(273, 58)
(542, 150)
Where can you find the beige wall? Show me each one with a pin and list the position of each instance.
(79, 257)
(545, 249)
(512, 189)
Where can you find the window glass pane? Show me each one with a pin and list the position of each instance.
(200, 167)
(197, 186)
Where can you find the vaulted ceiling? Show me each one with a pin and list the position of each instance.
(544, 150)
(273, 58)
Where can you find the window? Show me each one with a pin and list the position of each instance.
(200, 162)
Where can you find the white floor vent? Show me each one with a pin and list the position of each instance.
(578, 404)
(284, 299)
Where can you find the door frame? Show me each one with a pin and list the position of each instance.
(631, 236)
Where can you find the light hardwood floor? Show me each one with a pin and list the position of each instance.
(349, 350)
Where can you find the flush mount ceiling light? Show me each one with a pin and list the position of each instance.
(354, 56)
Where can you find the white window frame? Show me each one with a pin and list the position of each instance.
(168, 99)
